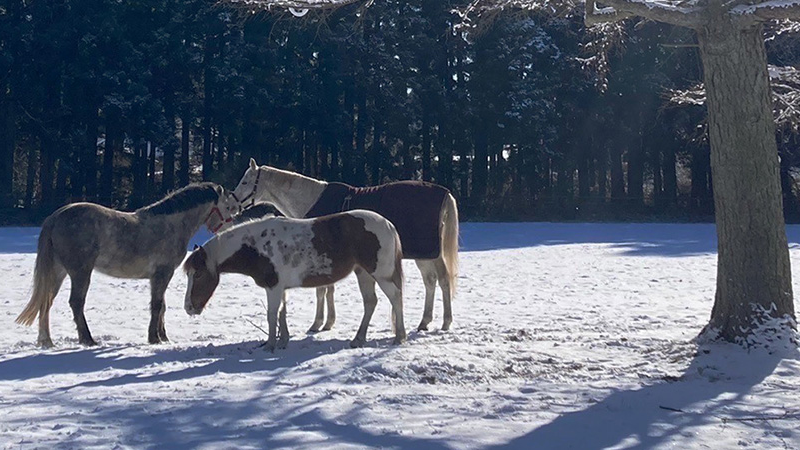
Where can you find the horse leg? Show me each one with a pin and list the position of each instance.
(44, 339)
(77, 299)
(428, 269)
(283, 332)
(445, 280)
(274, 299)
(331, 310)
(157, 332)
(395, 295)
(320, 310)
(367, 285)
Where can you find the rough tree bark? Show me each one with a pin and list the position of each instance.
(753, 267)
(753, 273)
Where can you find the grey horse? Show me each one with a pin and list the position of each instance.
(148, 243)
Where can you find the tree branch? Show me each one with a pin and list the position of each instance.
(297, 4)
(770, 10)
(595, 15)
(689, 17)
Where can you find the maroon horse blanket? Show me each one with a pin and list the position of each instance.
(412, 206)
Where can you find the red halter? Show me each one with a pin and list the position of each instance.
(251, 196)
(222, 220)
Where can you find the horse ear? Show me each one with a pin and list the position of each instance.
(253, 164)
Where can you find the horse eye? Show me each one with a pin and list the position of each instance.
(244, 183)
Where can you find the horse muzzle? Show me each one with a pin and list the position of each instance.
(190, 310)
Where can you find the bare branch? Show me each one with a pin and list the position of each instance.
(660, 11)
(296, 5)
(771, 10)
(785, 84)
(596, 16)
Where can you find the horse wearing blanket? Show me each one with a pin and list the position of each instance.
(148, 243)
(280, 253)
(425, 215)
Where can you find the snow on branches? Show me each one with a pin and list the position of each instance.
(785, 83)
(691, 13)
(297, 8)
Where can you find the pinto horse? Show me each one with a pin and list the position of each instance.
(425, 214)
(280, 253)
(148, 243)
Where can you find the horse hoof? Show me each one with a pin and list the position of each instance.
(315, 328)
(283, 344)
(88, 342)
(45, 343)
(327, 327)
(269, 346)
(356, 343)
(399, 340)
(422, 327)
(445, 327)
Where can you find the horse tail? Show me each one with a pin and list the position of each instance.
(45, 277)
(398, 262)
(450, 239)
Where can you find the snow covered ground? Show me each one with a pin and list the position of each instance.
(565, 336)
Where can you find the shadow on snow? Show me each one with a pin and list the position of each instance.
(645, 239)
(638, 418)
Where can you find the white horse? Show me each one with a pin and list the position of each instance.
(281, 253)
(298, 196)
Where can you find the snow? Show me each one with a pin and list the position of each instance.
(565, 336)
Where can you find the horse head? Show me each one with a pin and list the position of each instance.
(247, 191)
(225, 209)
(203, 280)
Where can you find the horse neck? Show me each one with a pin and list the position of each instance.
(185, 223)
(291, 193)
(224, 245)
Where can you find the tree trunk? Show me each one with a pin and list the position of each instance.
(583, 173)
(377, 152)
(7, 145)
(47, 168)
(348, 135)
(359, 158)
(168, 166)
(151, 172)
(617, 174)
(479, 167)
(670, 180)
(753, 273)
(602, 173)
(183, 174)
(30, 180)
(636, 173)
(89, 158)
(658, 179)
(139, 173)
(208, 84)
(425, 151)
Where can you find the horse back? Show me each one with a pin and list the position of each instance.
(414, 207)
(349, 240)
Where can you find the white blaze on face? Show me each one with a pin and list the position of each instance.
(187, 302)
(247, 184)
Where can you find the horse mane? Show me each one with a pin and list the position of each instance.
(256, 212)
(183, 199)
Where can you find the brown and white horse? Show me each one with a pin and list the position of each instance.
(426, 217)
(280, 253)
(147, 243)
